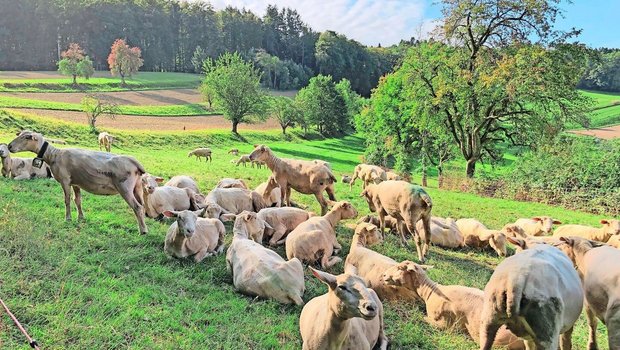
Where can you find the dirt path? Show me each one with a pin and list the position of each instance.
(42, 74)
(134, 98)
(153, 123)
(607, 133)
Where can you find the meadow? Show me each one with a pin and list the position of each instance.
(99, 284)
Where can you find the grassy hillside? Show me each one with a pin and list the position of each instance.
(606, 110)
(103, 82)
(99, 284)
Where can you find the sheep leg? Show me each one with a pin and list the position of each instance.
(401, 227)
(592, 323)
(322, 202)
(612, 321)
(24, 176)
(127, 190)
(66, 188)
(201, 255)
(328, 261)
(426, 222)
(488, 331)
(78, 201)
(566, 342)
(279, 232)
(210, 159)
(383, 340)
(288, 196)
(330, 192)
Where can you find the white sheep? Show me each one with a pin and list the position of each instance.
(21, 168)
(183, 181)
(158, 199)
(270, 190)
(105, 141)
(191, 235)
(602, 234)
(476, 235)
(231, 183)
(281, 221)
(537, 226)
(201, 153)
(444, 232)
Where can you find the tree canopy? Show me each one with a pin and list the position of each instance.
(124, 60)
(75, 63)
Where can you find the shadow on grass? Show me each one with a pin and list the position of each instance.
(309, 155)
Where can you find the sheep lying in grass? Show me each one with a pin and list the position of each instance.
(315, 239)
(221, 203)
(602, 234)
(183, 181)
(348, 316)
(444, 232)
(105, 141)
(537, 294)
(21, 168)
(281, 221)
(231, 183)
(259, 271)
(476, 235)
(447, 307)
(158, 199)
(270, 190)
(201, 153)
(370, 265)
(191, 235)
(600, 274)
(537, 226)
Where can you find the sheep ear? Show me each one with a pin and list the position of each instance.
(364, 193)
(227, 217)
(325, 277)
(556, 222)
(604, 222)
(537, 219)
(568, 241)
(171, 214)
(201, 212)
(427, 267)
(516, 241)
(159, 179)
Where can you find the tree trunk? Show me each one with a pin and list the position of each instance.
(123, 79)
(234, 127)
(440, 174)
(74, 79)
(424, 175)
(471, 167)
(283, 129)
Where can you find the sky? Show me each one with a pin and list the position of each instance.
(388, 21)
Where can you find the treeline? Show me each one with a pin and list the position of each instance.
(603, 71)
(177, 36)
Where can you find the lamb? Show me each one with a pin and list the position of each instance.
(21, 168)
(368, 174)
(192, 235)
(348, 316)
(307, 177)
(444, 232)
(476, 235)
(370, 265)
(537, 226)
(406, 203)
(315, 239)
(537, 294)
(600, 275)
(447, 307)
(602, 234)
(270, 190)
(234, 151)
(201, 153)
(259, 271)
(222, 201)
(243, 160)
(183, 181)
(282, 221)
(96, 172)
(105, 141)
(231, 183)
(158, 199)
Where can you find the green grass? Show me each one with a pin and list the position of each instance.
(140, 81)
(606, 108)
(98, 284)
(194, 109)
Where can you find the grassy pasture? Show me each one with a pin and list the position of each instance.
(606, 108)
(102, 81)
(98, 284)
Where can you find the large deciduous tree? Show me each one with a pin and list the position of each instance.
(324, 107)
(124, 60)
(75, 63)
(286, 111)
(234, 86)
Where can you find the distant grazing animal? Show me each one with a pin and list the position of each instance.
(233, 151)
(21, 168)
(348, 316)
(96, 172)
(259, 164)
(537, 226)
(201, 153)
(537, 294)
(476, 235)
(191, 235)
(602, 234)
(315, 239)
(281, 221)
(105, 141)
(369, 174)
(243, 160)
(600, 274)
(307, 177)
(447, 307)
(406, 203)
(259, 271)
(183, 181)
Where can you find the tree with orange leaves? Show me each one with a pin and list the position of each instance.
(124, 60)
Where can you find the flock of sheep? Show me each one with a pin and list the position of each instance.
(531, 301)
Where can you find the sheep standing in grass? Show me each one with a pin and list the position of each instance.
(21, 168)
(602, 234)
(201, 153)
(244, 160)
(96, 172)
(447, 307)
(191, 235)
(368, 174)
(348, 316)
(105, 141)
(259, 271)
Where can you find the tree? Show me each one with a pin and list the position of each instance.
(95, 106)
(198, 59)
(75, 63)
(124, 60)
(235, 88)
(285, 111)
(323, 106)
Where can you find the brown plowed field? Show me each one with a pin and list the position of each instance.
(607, 133)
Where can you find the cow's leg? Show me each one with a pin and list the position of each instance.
(126, 190)
(78, 202)
(66, 188)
